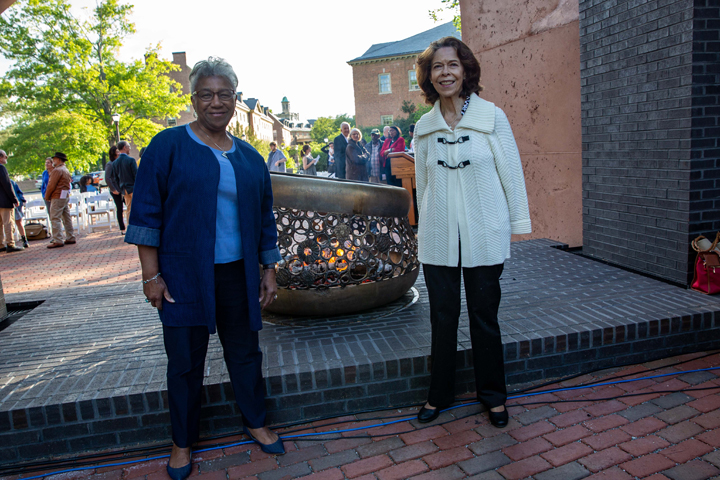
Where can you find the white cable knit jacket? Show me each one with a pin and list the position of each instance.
(485, 201)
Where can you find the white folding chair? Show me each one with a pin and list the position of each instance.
(111, 203)
(35, 211)
(97, 208)
(77, 211)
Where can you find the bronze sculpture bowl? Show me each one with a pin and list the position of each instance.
(346, 246)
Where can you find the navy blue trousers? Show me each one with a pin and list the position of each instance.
(482, 292)
(186, 348)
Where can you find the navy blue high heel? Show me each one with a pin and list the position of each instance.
(276, 448)
(179, 473)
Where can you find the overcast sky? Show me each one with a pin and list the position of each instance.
(278, 48)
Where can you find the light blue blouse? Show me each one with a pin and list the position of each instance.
(228, 244)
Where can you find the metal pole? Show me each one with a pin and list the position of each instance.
(117, 132)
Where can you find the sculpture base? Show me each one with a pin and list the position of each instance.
(342, 300)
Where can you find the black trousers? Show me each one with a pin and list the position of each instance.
(119, 209)
(186, 348)
(482, 292)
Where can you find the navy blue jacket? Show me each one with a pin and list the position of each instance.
(18, 193)
(174, 208)
(7, 195)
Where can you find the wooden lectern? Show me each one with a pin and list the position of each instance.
(402, 166)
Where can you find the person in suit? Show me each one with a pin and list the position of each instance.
(124, 171)
(340, 145)
(8, 202)
(207, 282)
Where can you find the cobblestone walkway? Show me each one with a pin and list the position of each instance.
(100, 258)
(593, 433)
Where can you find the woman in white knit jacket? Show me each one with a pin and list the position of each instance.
(471, 197)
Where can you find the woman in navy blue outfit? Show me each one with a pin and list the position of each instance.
(203, 222)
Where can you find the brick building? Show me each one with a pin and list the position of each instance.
(181, 76)
(651, 142)
(281, 130)
(384, 76)
(260, 123)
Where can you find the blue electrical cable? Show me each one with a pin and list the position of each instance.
(79, 469)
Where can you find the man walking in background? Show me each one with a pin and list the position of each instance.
(276, 159)
(124, 171)
(58, 194)
(340, 144)
(8, 202)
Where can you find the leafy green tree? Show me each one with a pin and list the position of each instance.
(344, 117)
(453, 6)
(324, 127)
(31, 141)
(68, 67)
(261, 146)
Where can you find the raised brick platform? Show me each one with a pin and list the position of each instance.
(86, 368)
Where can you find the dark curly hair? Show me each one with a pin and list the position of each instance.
(112, 153)
(471, 82)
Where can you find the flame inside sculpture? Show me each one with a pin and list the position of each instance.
(324, 250)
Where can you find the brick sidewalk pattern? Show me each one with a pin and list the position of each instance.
(100, 258)
(653, 435)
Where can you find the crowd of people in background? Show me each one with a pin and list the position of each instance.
(350, 156)
(55, 189)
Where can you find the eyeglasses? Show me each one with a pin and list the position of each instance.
(208, 95)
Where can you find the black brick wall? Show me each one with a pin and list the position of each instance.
(650, 131)
(705, 135)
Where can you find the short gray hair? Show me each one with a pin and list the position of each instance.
(212, 67)
(356, 130)
(2, 153)
(122, 144)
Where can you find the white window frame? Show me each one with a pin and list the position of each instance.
(380, 75)
(383, 118)
(412, 73)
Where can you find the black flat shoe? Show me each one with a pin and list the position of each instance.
(427, 415)
(179, 473)
(499, 419)
(276, 448)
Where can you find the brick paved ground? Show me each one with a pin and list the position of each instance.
(100, 258)
(675, 434)
(656, 435)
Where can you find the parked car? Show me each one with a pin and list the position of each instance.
(99, 178)
(38, 182)
(76, 181)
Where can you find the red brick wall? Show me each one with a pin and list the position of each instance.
(369, 103)
(182, 76)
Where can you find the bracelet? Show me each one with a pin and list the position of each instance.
(269, 266)
(151, 279)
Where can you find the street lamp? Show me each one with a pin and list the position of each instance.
(116, 119)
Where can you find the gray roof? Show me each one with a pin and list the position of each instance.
(251, 102)
(415, 44)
